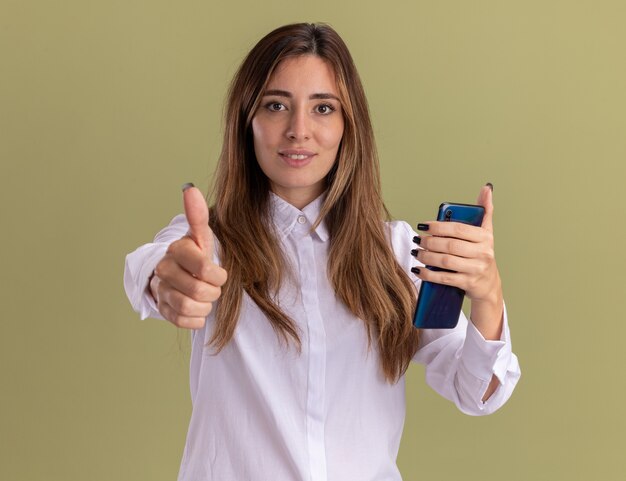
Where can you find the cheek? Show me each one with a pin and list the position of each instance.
(334, 136)
(257, 132)
(266, 135)
(261, 140)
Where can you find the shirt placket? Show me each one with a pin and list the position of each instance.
(316, 383)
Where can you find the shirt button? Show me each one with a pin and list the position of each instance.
(301, 219)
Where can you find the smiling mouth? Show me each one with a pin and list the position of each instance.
(297, 160)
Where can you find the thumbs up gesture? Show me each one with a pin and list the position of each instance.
(186, 281)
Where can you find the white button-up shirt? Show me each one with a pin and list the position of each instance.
(263, 412)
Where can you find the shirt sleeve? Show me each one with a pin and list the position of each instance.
(141, 262)
(460, 362)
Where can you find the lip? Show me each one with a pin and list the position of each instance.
(285, 153)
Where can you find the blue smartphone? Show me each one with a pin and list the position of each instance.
(439, 306)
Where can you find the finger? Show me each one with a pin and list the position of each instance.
(183, 281)
(458, 230)
(449, 262)
(181, 321)
(196, 263)
(450, 245)
(440, 277)
(197, 214)
(485, 198)
(182, 304)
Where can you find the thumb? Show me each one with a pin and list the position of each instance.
(197, 214)
(485, 199)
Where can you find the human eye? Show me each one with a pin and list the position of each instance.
(274, 106)
(325, 109)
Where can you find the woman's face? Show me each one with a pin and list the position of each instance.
(298, 128)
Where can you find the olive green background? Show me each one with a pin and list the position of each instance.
(108, 107)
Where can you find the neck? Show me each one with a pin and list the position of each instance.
(299, 198)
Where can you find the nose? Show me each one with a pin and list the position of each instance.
(299, 128)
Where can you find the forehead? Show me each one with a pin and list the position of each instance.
(304, 71)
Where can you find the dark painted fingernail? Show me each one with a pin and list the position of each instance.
(422, 226)
(417, 239)
(490, 185)
(187, 185)
(414, 252)
(415, 270)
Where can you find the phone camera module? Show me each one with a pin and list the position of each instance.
(448, 214)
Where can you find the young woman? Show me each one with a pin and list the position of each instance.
(300, 295)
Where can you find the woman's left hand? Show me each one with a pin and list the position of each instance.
(469, 251)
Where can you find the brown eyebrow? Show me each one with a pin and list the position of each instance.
(284, 93)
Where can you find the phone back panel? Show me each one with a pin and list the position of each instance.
(439, 306)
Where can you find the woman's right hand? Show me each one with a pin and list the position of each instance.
(186, 281)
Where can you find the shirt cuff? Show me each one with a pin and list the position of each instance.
(136, 279)
(483, 358)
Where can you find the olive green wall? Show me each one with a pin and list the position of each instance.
(108, 107)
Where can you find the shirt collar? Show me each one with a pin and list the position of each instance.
(286, 216)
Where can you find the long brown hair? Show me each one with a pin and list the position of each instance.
(359, 253)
